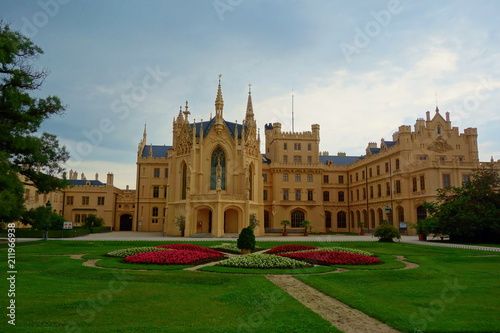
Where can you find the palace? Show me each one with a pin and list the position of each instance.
(215, 176)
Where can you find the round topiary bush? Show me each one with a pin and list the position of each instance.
(386, 233)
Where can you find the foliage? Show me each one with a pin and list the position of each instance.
(253, 222)
(134, 250)
(93, 221)
(470, 213)
(41, 218)
(174, 257)
(37, 157)
(386, 233)
(180, 222)
(259, 260)
(246, 239)
(425, 226)
(305, 224)
(332, 258)
(285, 223)
(11, 191)
(289, 248)
(188, 247)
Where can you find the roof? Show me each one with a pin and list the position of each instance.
(158, 151)
(207, 125)
(82, 182)
(390, 143)
(338, 160)
(265, 159)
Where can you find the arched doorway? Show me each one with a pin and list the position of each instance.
(204, 221)
(231, 221)
(126, 222)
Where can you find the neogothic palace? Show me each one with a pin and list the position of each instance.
(215, 176)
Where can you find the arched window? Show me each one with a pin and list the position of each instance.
(372, 218)
(341, 220)
(328, 219)
(380, 216)
(421, 213)
(266, 219)
(439, 130)
(250, 185)
(218, 169)
(297, 218)
(184, 181)
(401, 214)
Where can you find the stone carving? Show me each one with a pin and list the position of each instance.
(440, 145)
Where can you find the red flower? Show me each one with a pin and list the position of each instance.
(176, 257)
(289, 248)
(189, 247)
(332, 258)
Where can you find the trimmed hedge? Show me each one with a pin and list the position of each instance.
(99, 230)
(69, 233)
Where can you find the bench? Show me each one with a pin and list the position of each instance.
(288, 230)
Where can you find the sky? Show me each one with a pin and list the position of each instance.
(360, 69)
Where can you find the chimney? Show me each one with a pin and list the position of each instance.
(109, 181)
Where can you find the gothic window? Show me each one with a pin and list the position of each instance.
(250, 180)
(218, 170)
(341, 220)
(184, 181)
(297, 218)
(328, 219)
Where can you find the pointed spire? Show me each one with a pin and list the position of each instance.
(186, 112)
(145, 134)
(249, 104)
(219, 102)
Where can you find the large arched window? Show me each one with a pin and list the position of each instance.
(401, 214)
(250, 185)
(184, 181)
(328, 219)
(218, 169)
(297, 218)
(421, 213)
(341, 220)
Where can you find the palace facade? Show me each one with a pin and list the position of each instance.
(215, 176)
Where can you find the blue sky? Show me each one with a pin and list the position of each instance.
(360, 69)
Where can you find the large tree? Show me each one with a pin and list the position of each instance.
(23, 150)
(470, 213)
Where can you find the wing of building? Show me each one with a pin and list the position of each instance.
(215, 176)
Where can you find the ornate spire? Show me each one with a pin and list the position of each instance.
(186, 112)
(145, 134)
(249, 114)
(219, 102)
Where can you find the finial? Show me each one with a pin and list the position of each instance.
(249, 88)
(437, 109)
(219, 102)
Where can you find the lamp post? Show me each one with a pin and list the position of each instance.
(48, 205)
(388, 212)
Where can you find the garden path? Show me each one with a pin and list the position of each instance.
(337, 313)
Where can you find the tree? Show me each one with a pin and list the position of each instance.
(246, 239)
(93, 221)
(470, 213)
(253, 222)
(386, 232)
(41, 218)
(180, 222)
(38, 157)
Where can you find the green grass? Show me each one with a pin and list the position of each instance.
(55, 293)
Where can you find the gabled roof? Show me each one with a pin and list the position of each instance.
(82, 182)
(338, 160)
(207, 126)
(158, 151)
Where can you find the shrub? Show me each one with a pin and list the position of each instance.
(386, 232)
(176, 257)
(93, 221)
(134, 250)
(259, 260)
(246, 239)
(332, 258)
(180, 222)
(189, 247)
(289, 248)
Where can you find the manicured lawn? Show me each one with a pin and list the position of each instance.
(453, 290)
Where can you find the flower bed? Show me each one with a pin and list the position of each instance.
(228, 248)
(189, 247)
(177, 257)
(341, 249)
(259, 260)
(331, 258)
(128, 252)
(289, 248)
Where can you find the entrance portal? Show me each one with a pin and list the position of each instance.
(126, 222)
